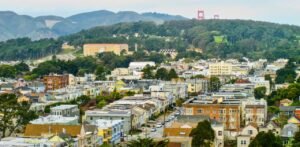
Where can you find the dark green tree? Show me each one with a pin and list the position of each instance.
(148, 72)
(21, 67)
(172, 74)
(162, 74)
(296, 141)
(215, 84)
(7, 71)
(147, 142)
(263, 139)
(15, 115)
(203, 135)
(260, 92)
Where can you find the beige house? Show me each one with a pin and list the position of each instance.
(94, 49)
(271, 126)
(249, 130)
(243, 141)
(220, 69)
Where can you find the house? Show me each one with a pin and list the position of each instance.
(183, 126)
(243, 140)
(288, 131)
(270, 126)
(112, 114)
(111, 131)
(138, 66)
(86, 135)
(23, 99)
(285, 102)
(54, 141)
(65, 110)
(37, 86)
(288, 110)
(294, 120)
(255, 111)
(55, 81)
(249, 130)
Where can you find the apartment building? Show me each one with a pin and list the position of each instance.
(111, 131)
(220, 69)
(94, 49)
(54, 81)
(255, 112)
(228, 112)
(65, 110)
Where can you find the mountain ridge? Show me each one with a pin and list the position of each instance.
(14, 25)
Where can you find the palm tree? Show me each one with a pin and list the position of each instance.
(148, 142)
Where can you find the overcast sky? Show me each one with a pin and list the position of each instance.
(281, 11)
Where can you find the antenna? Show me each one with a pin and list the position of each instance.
(200, 15)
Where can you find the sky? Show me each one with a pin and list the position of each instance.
(279, 11)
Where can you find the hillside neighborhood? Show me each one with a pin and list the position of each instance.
(240, 101)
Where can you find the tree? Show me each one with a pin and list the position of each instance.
(15, 115)
(100, 73)
(215, 84)
(263, 139)
(101, 104)
(21, 67)
(148, 72)
(82, 100)
(172, 74)
(260, 92)
(179, 102)
(296, 141)
(162, 74)
(7, 71)
(147, 142)
(203, 135)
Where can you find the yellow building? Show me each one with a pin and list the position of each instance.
(94, 49)
(220, 69)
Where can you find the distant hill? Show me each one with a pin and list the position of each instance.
(13, 25)
(217, 38)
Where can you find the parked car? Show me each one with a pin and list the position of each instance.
(158, 126)
(153, 129)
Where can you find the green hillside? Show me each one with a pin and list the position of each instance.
(218, 38)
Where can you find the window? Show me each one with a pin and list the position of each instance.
(199, 110)
(219, 133)
(243, 142)
(250, 132)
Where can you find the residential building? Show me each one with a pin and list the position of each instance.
(243, 140)
(288, 111)
(169, 52)
(220, 69)
(271, 126)
(93, 115)
(255, 111)
(285, 102)
(65, 110)
(94, 49)
(197, 85)
(56, 119)
(31, 142)
(54, 81)
(249, 130)
(85, 134)
(227, 112)
(138, 66)
(288, 131)
(261, 82)
(110, 130)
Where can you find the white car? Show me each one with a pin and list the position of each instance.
(158, 126)
(153, 130)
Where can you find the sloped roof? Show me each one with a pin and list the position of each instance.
(37, 130)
